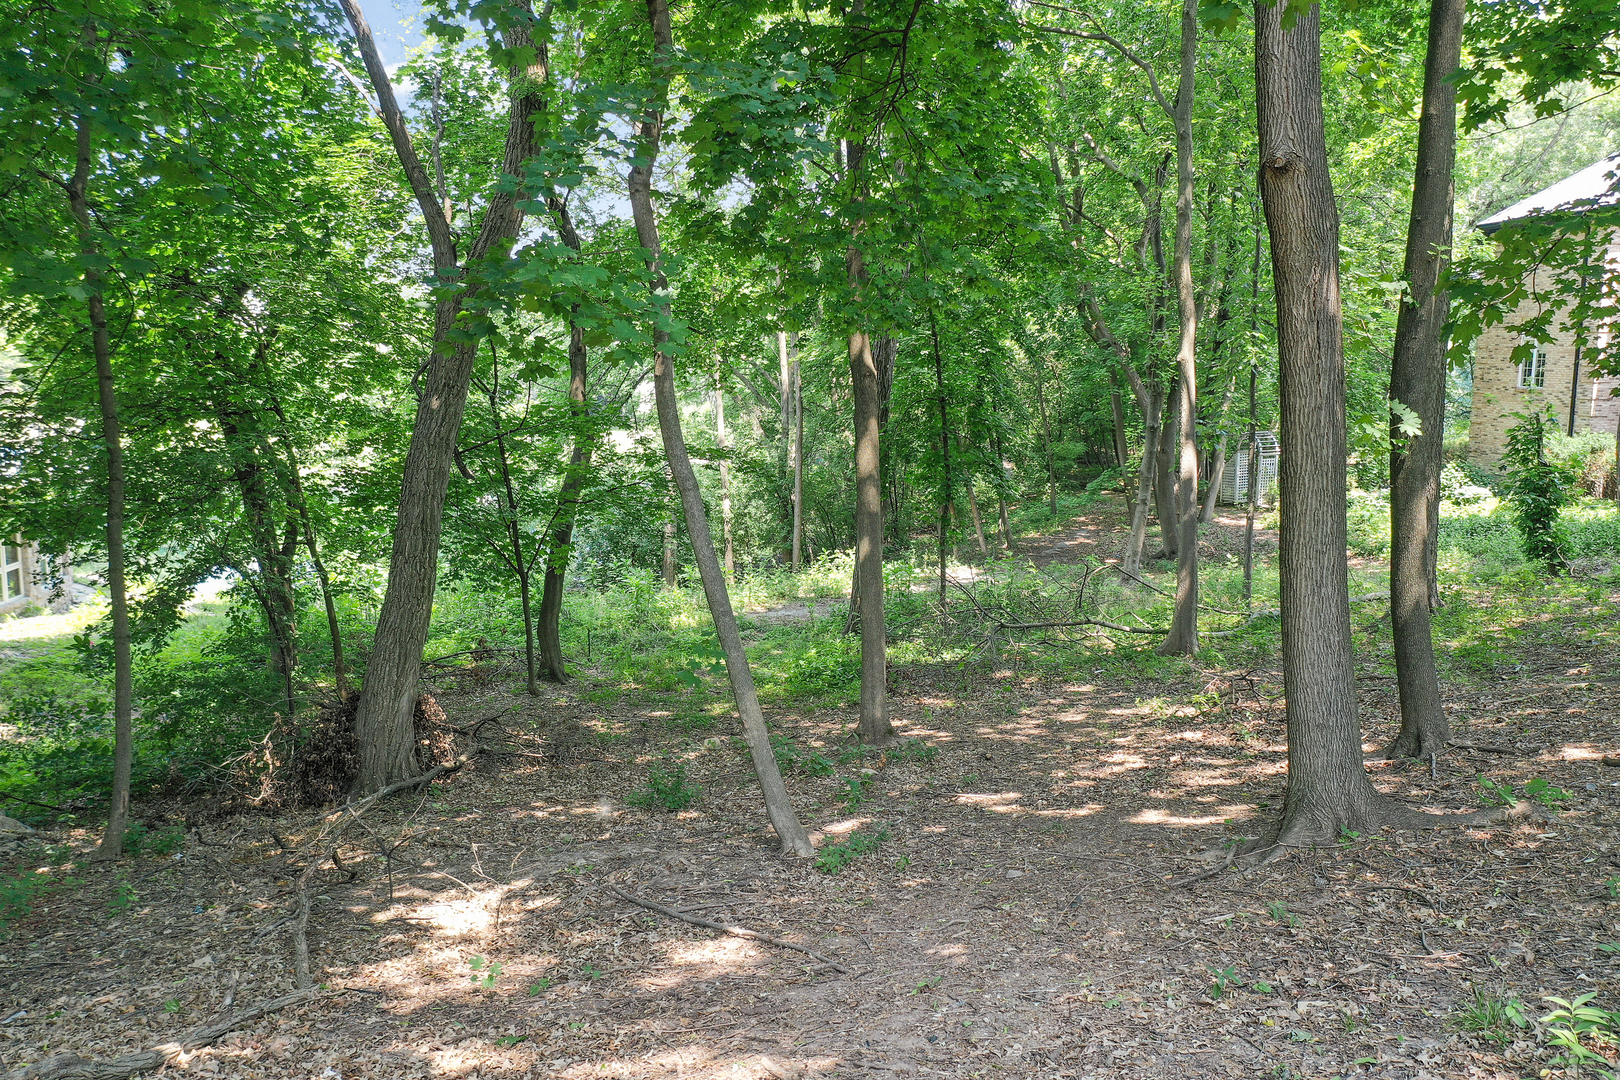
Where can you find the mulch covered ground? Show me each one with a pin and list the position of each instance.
(1019, 920)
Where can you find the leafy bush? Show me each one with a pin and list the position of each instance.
(1589, 457)
(1591, 530)
(18, 892)
(1367, 521)
(827, 667)
(834, 857)
(1464, 484)
(667, 789)
(1536, 490)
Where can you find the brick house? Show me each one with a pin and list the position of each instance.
(1554, 375)
(21, 581)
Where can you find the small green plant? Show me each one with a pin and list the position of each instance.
(140, 840)
(834, 857)
(926, 984)
(509, 1041)
(171, 1006)
(1279, 912)
(1347, 837)
(667, 789)
(1494, 792)
(1225, 979)
(18, 893)
(591, 971)
(1576, 1027)
(912, 750)
(855, 790)
(792, 758)
(1491, 1016)
(1536, 490)
(540, 987)
(1537, 789)
(1612, 885)
(484, 972)
(122, 899)
(1263, 987)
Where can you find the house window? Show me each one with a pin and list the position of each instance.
(1533, 369)
(11, 571)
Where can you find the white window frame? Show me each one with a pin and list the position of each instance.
(11, 560)
(1533, 371)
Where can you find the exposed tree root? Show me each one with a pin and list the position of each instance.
(734, 931)
(66, 1065)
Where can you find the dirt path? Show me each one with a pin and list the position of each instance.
(1017, 921)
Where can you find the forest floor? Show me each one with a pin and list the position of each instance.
(1021, 916)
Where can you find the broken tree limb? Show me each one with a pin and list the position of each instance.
(69, 1065)
(734, 931)
(336, 823)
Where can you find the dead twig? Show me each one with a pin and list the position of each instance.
(345, 817)
(66, 1065)
(734, 931)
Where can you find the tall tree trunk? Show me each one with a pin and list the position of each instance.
(1001, 493)
(1183, 637)
(973, 508)
(792, 440)
(383, 721)
(798, 456)
(112, 839)
(1417, 379)
(947, 494)
(274, 585)
(1136, 544)
(520, 562)
(1116, 403)
(1253, 490)
(725, 474)
(1046, 438)
(1328, 789)
(1165, 474)
(649, 129)
(340, 674)
(571, 493)
(869, 382)
(1217, 471)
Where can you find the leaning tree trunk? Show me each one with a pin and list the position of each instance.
(1328, 789)
(571, 492)
(1136, 544)
(112, 840)
(1417, 379)
(383, 720)
(794, 840)
(1183, 637)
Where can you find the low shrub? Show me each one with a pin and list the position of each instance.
(835, 857)
(667, 789)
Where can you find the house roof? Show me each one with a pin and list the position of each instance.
(1596, 185)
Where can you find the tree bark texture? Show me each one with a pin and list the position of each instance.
(1183, 637)
(112, 839)
(571, 493)
(1328, 789)
(1417, 379)
(383, 721)
(549, 630)
(649, 130)
(1165, 473)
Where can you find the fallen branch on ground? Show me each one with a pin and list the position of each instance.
(66, 1065)
(346, 816)
(734, 931)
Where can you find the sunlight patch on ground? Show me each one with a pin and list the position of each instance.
(51, 626)
(840, 828)
(1000, 802)
(1164, 817)
(1073, 812)
(1577, 752)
